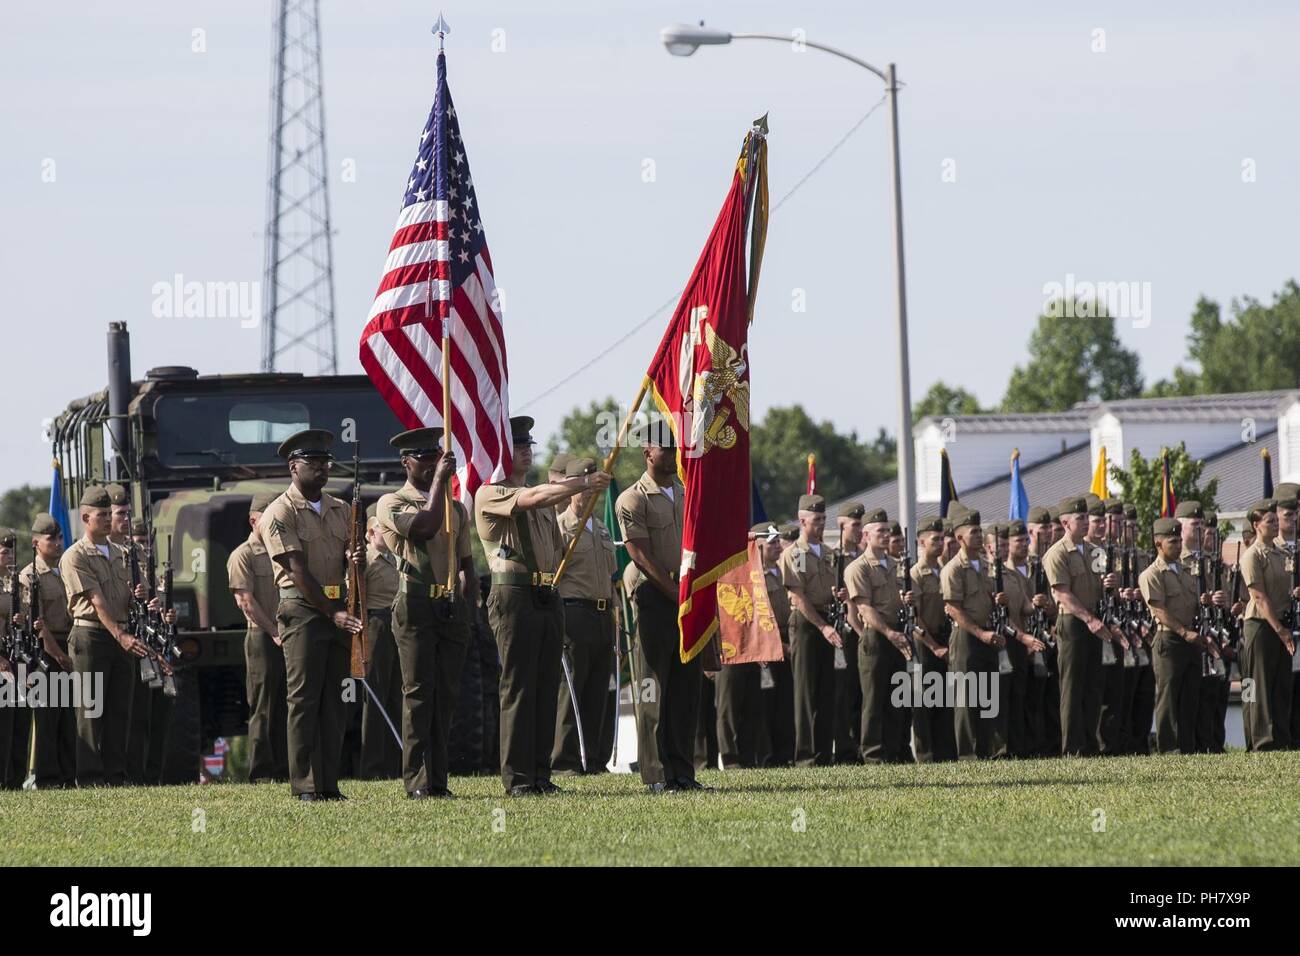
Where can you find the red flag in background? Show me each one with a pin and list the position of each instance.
(1168, 500)
(700, 380)
(812, 474)
(746, 624)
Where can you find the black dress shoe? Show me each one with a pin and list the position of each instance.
(441, 793)
(418, 794)
(547, 787)
(523, 790)
(685, 783)
(664, 786)
(311, 797)
(333, 795)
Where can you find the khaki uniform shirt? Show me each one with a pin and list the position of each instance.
(645, 513)
(395, 513)
(1068, 567)
(927, 592)
(1020, 593)
(290, 524)
(494, 518)
(778, 597)
(249, 569)
(1172, 591)
(591, 569)
(53, 598)
(1264, 566)
(86, 571)
(381, 580)
(814, 575)
(871, 580)
(968, 587)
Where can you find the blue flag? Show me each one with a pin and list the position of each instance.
(758, 514)
(1019, 507)
(58, 509)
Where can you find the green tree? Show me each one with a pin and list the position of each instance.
(1143, 478)
(1258, 348)
(1073, 359)
(779, 448)
(18, 506)
(589, 433)
(942, 399)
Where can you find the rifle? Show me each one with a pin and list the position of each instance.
(1109, 610)
(907, 613)
(1000, 619)
(1234, 586)
(357, 571)
(839, 617)
(1136, 613)
(165, 633)
(40, 659)
(1294, 611)
(1040, 625)
(1211, 663)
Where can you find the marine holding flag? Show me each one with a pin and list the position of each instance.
(700, 381)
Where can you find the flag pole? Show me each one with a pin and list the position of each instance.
(440, 29)
(607, 468)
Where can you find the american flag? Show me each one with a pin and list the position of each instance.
(439, 270)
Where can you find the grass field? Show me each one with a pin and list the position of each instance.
(1237, 808)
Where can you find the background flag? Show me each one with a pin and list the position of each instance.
(947, 489)
(58, 508)
(1268, 472)
(812, 474)
(1168, 500)
(757, 512)
(439, 271)
(1019, 506)
(699, 377)
(1099, 477)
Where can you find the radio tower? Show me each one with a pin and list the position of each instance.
(298, 331)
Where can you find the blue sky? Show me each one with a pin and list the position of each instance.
(1122, 165)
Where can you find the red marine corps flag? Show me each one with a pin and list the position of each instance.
(700, 380)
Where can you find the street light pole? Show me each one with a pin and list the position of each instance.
(683, 40)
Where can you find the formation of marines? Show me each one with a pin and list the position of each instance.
(1049, 636)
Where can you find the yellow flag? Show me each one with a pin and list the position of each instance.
(1099, 477)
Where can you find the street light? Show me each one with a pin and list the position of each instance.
(683, 40)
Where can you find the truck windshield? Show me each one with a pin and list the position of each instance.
(244, 428)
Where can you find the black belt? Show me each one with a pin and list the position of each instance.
(595, 604)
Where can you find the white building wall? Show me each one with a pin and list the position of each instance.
(1202, 438)
(1288, 445)
(980, 457)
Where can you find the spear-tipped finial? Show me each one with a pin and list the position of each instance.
(440, 29)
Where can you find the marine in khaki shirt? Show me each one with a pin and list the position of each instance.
(1067, 567)
(494, 518)
(1264, 570)
(421, 560)
(650, 512)
(965, 582)
(318, 531)
(251, 575)
(381, 577)
(91, 571)
(1168, 587)
(593, 564)
(809, 568)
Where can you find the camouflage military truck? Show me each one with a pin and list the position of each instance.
(193, 449)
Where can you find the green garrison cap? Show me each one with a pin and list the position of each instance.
(1114, 506)
(1130, 510)
(854, 509)
(1211, 518)
(947, 525)
(875, 516)
(965, 517)
(657, 431)
(789, 531)
(1166, 526)
(577, 467)
(1097, 509)
(765, 530)
(813, 503)
(1091, 499)
(1014, 528)
(1189, 509)
(45, 524)
(1286, 491)
(521, 430)
(1075, 505)
(559, 463)
(417, 441)
(118, 495)
(138, 527)
(1053, 514)
(8, 537)
(1039, 515)
(895, 528)
(1259, 508)
(262, 500)
(929, 523)
(96, 496)
(309, 443)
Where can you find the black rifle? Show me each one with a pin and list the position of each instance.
(1234, 587)
(1204, 623)
(839, 618)
(1293, 612)
(907, 613)
(1000, 619)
